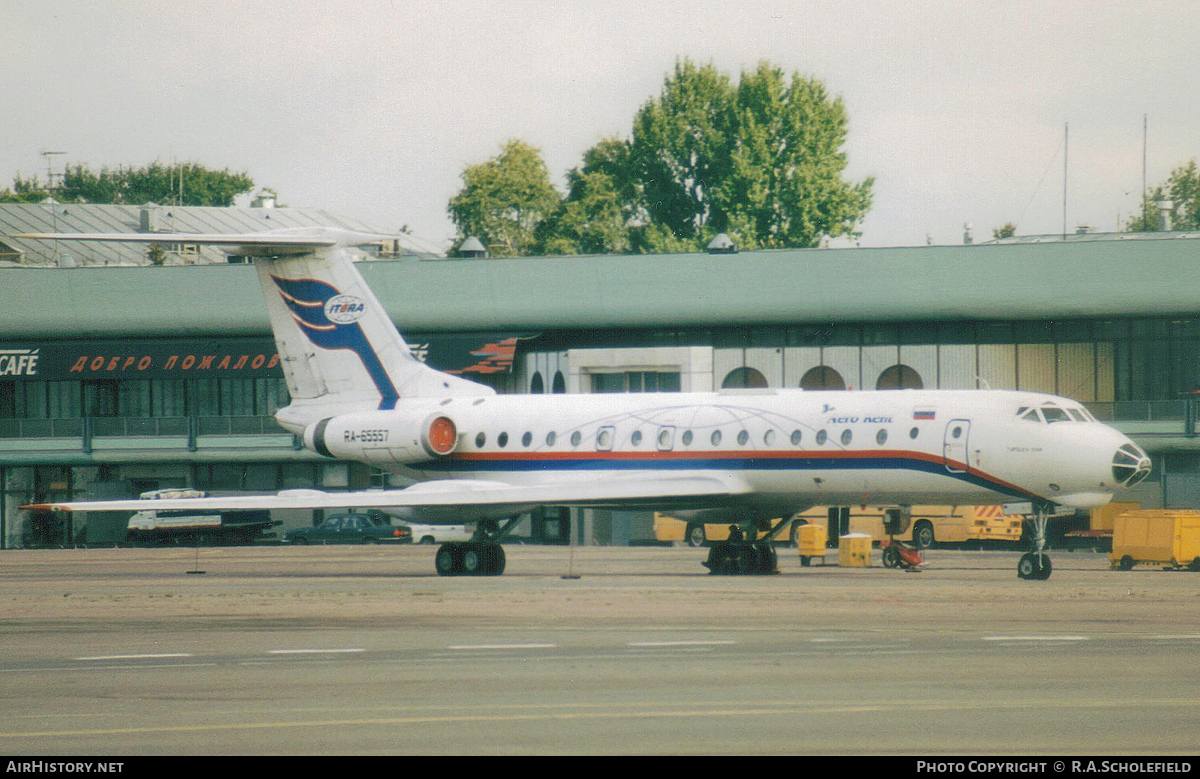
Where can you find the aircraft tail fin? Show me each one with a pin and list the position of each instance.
(336, 341)
(337, 345)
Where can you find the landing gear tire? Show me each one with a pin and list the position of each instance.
(448, 560)
(474, 558)
(495, 560)
(1034, 566)
(741, 559)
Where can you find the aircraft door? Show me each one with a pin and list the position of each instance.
(954, 446)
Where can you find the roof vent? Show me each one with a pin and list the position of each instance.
(472, 247)
(1165, 209)
(264, 199)
(150, 218)
(722, 244)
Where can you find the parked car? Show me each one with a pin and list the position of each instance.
(351, 529)
(439, 534)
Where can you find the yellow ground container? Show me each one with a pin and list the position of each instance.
(1161, 536)
(811, 542)
(854, 551)
(1105, 517)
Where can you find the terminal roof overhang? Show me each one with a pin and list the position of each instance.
(929, 283)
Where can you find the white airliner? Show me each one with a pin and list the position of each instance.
(477, 457)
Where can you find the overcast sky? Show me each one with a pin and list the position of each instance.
(372, 109)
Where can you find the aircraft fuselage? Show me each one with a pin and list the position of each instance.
(786, 448)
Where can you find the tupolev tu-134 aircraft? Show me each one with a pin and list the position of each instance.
(744, 456)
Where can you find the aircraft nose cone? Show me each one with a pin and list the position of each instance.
(1130, 465)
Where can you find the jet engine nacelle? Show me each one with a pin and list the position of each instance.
(383, 436)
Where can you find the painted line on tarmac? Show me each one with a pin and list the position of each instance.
(644, 644)
(1036, 638)
(1182, 637)
(156, 656)
(314, 651)
(468, 647)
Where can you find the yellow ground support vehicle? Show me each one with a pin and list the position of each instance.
(930, 525)
(1158, 536)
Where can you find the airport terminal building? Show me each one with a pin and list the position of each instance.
(122, 372)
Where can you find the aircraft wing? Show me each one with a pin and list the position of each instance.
(674, 491)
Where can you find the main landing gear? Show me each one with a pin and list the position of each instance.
(481, 556)
(470, 558)
(740, 557)
(1035, 565)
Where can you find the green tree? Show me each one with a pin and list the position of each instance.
(1006, 230)
(761, 160)
(188, 184)
(1182, 189)
(784, 183)
(600, 205)
(681, 147)
(504, 199)
(589, 221)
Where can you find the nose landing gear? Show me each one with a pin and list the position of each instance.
(1035, 565)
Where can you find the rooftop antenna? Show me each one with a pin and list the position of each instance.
(1066, 138)
(52, 188)
(50, 174)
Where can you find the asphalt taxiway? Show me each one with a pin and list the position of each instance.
(337, 650)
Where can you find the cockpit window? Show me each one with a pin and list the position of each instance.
(1076, 414)
(1054, 414)
(1031, 415)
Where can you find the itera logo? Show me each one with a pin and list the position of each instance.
(344, 309)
